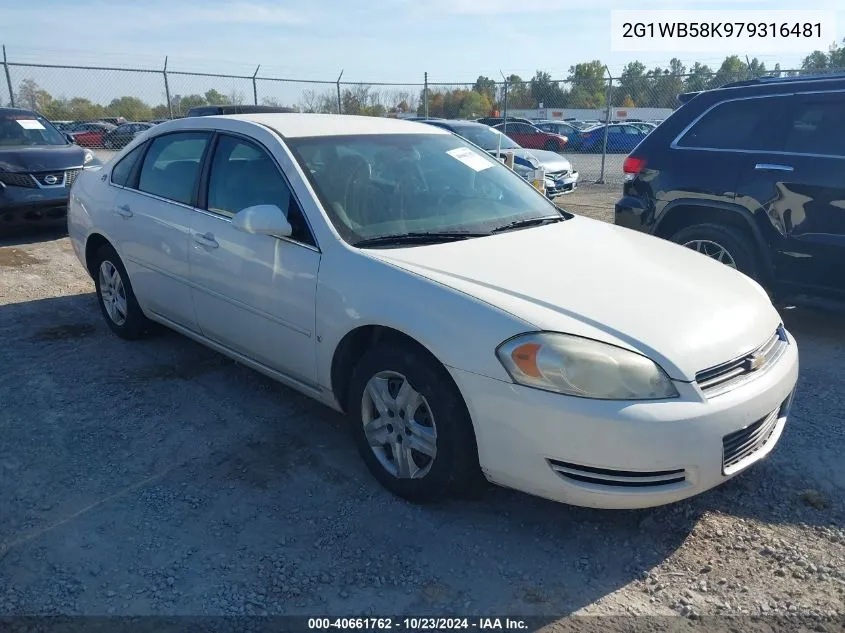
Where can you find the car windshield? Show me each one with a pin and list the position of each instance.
(20, 129)
(373, 186)
(485, 137)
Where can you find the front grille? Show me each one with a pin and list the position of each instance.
(739, 445)
(558, 174)
(50, 178)
(17, 180)
(617, 478)
(71, 175)
(724, 377)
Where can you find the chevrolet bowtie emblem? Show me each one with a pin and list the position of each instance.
(755, 362)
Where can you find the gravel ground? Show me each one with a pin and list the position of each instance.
(160, 478)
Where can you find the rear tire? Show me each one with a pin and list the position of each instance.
(430, 415)
(115, 295)
(723, 243)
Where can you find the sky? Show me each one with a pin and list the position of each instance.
(369, 40)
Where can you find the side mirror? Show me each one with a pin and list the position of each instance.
(70, 139)
(263, 219)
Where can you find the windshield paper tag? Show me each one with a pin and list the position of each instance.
(470, 159)
(30, 124)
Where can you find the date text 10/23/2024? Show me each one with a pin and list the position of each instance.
(416, 624)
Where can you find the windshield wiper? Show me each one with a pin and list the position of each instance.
(417, 238)
(522, 224)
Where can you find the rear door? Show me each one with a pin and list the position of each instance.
(153, 214)
(708, 159)
(801, 190)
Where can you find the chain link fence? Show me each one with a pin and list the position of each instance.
(565, 116)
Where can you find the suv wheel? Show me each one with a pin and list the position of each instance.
(722, 243)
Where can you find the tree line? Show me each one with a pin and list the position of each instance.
(586, 86)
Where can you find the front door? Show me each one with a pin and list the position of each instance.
(254, 294)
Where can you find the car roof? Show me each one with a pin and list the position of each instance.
(17, 111)
(297, 125)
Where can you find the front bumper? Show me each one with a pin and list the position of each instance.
(559, 186)
(23, 206)
(607, 454)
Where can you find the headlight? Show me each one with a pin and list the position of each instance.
(582, 367)
(90, 160)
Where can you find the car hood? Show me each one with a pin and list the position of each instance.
(41, 158)
(549, 161)
(588, 278)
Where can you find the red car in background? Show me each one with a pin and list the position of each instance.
(532, 137)
(90, 134)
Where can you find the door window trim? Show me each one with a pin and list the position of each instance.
(205, 173)
(674, 144)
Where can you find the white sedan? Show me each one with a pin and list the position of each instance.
(466, 326)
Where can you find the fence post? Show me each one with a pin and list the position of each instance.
(505, 109)
(425, 95)
(8, 79)
(255, 85)
(600, 181)
(339, 108)
(167, 90)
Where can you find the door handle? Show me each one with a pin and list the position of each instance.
(206, 241)
(124, 211)
(773, 167)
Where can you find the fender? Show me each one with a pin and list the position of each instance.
(740, 211)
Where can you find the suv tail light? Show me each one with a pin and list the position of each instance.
(633, 166)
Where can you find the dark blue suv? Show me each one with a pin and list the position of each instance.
(751, 174)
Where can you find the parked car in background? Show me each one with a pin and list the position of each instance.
(572, 133)
(90, 134)
(493, 121)
(114, 120)
(157, 121)
(337, 254)
(122, 134)
(37, 168)
(752, 175)
(216, 110)
(560, 177)
(63, 126)
(621, 138)
(529, 136)
(644, 126)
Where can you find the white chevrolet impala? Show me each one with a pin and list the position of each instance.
(466, 326)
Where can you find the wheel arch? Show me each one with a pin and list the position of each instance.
(93, 243)
(683, 213)
(358, 341)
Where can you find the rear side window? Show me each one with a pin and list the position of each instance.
(172, 166)
(122, 171)
(747, 124)
(817, 126)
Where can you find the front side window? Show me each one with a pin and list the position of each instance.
(399, 184)
(172, 165)
(746, 124)
(243, 175)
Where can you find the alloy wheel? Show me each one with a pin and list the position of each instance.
(113, 293)
(399, 426)
(712, 250)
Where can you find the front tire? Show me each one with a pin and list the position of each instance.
(722, 243)
(411, 425)
(115, 295)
